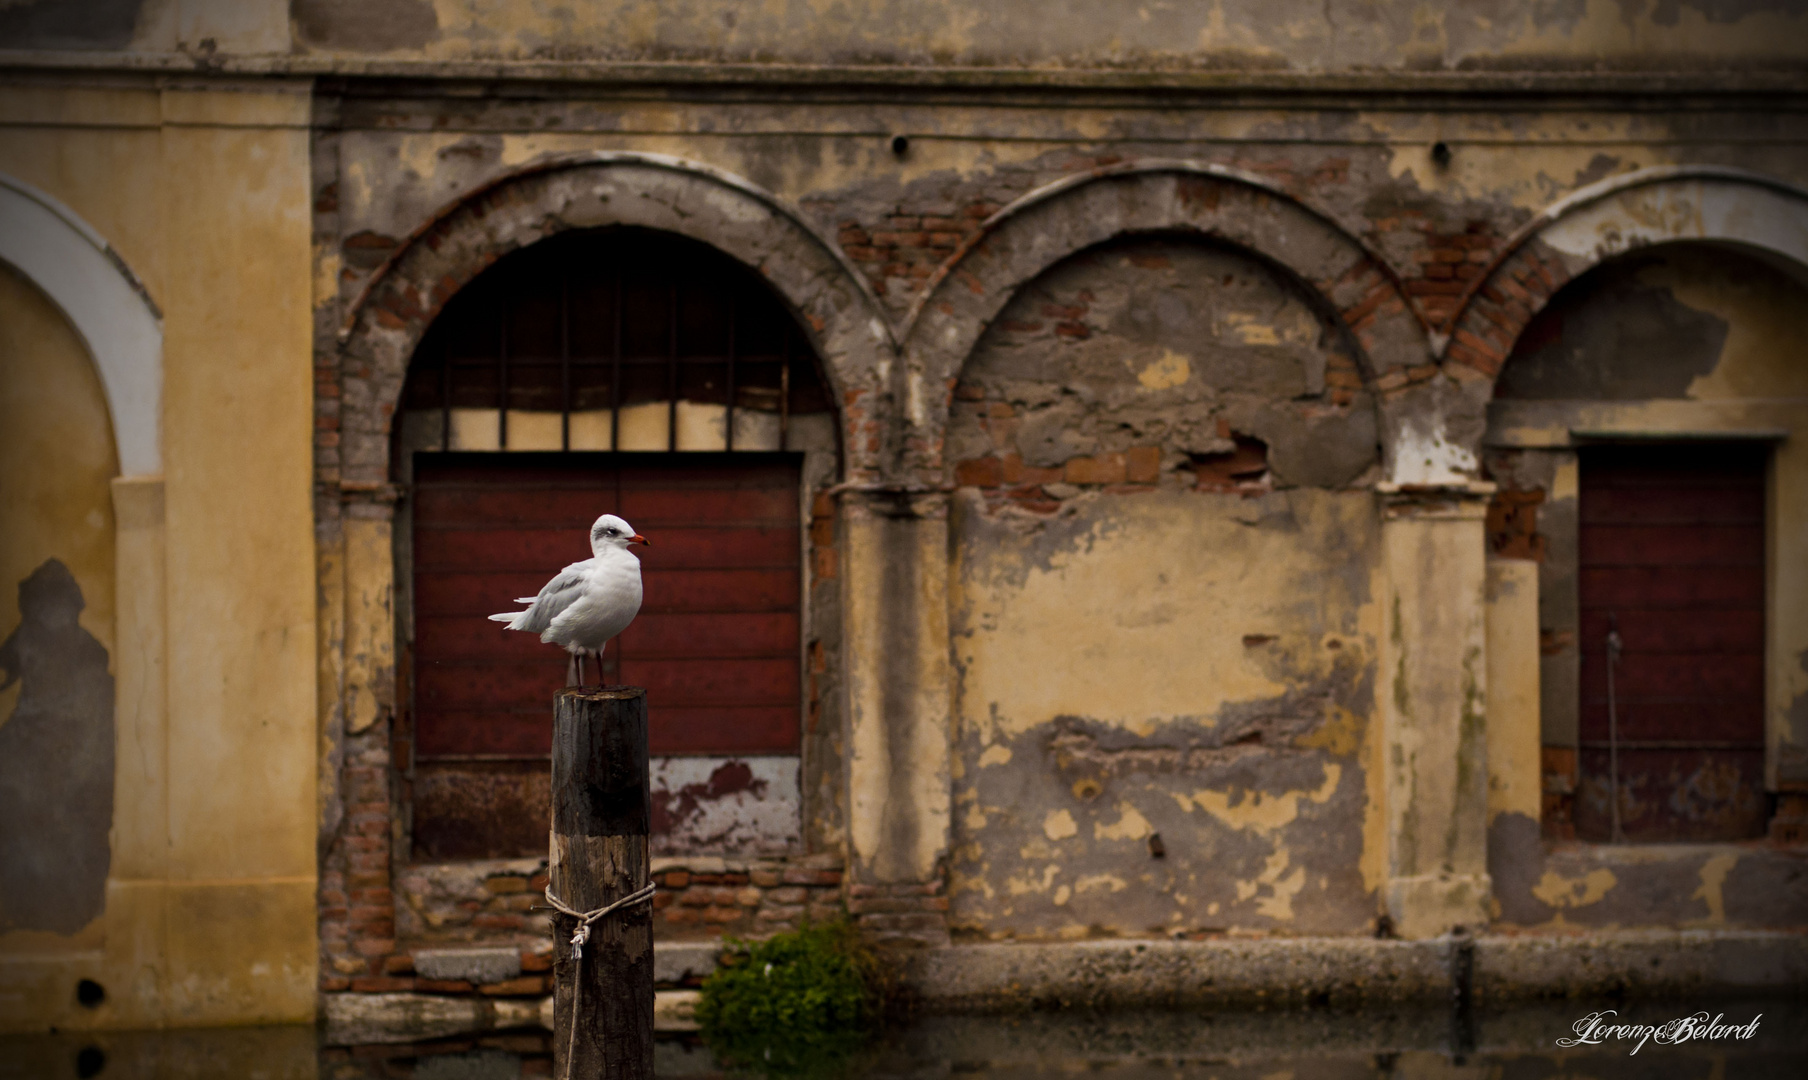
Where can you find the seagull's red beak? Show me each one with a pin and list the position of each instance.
(639, 539)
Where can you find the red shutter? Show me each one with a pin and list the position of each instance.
(1672, 547)
(715, 644)
(716, 641)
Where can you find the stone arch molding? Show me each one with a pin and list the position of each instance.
(1669, 204)
(1651, 206)
(1067, 216)
(837, 308)
(105, 302)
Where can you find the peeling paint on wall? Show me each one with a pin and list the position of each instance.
(1149, 708)
(746, 805)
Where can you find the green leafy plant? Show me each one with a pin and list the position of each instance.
(797, 1004)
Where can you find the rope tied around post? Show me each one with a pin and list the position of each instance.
(579, 937)
(585, 918)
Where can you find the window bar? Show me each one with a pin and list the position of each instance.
(671, 376)
(445, 396)
(565, 363)
(615, 371)
(502, 383)
(728, 421)
(784, 395)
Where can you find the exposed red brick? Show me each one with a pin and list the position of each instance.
(380, 984)
(500, 922)
(1231, 471)
(1512, 524)
(979, 472)
(1104, 469)
(523, 986)
(1482, 346)
(1142, 464)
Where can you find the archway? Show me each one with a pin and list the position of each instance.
(625, 371)
(834, 305)
(79, 380)
(105, 303)
(1037, 231)
(1609, 219)
(1644, 432)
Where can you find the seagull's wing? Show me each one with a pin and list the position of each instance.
(557, 595)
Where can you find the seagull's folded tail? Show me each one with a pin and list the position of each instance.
(510, 617)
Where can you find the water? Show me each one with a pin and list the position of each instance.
(1507, 1043)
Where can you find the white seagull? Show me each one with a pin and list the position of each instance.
(590, 601)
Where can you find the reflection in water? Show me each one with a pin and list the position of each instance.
(1510, 1043)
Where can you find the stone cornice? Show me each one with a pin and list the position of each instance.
(1646, 89)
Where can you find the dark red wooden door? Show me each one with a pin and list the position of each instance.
(1672, 549)
(716, 641)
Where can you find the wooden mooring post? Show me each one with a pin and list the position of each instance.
(603, 1000)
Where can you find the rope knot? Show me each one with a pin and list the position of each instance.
(586, 918)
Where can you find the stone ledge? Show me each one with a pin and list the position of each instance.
(474, 965)
(367, 1019)
(1279, 971)
(1640, 963)
(361, 1019)
(719, 864)
(675, 962)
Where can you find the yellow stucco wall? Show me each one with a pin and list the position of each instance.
(210, 911)
(56, 462)
(56, 459)
(1198, 666)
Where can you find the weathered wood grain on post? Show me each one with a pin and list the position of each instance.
(600, 814)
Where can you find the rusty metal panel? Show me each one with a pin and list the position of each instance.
(1671, 545)
(481, 810)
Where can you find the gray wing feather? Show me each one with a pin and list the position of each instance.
(557, 595)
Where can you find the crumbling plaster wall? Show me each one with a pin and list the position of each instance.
(1165, 635)
(1379, 246)
(1293, 35)
(1298, 35)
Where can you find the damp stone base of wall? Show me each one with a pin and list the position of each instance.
(995, 977)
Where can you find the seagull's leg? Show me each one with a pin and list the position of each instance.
(579, 657)
(571, 670)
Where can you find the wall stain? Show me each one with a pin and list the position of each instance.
(56, 762)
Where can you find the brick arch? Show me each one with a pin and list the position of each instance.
(835, 306)
(1652, 206)
(1022, 240)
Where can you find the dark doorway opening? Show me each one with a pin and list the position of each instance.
(1672, 556)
